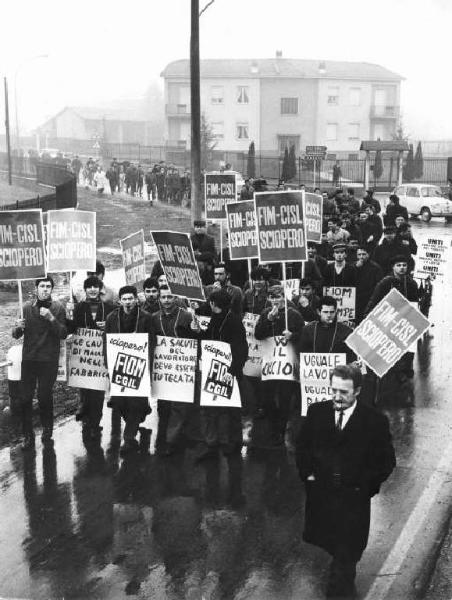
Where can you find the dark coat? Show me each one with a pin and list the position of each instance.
(349, 468)
(266, 328)
(393, 211)
(84, 318)
(174, 324)
(42, 337)
(346, 278)
(203, 246)
(383, 254)
(316, 338)
(141, 323)
(406, 286)
(368, 275)
(228, 327)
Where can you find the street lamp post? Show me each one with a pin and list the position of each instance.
(16, 110)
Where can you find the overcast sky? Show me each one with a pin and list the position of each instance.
(99, 50)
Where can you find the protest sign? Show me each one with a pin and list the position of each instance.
(86, 361)
(242, 238)
(346, 303)
(279, 359)
(174, 368)
(179, 265)
(22, 253)
(62, 362)
(280, 226)
(387, 332)
(315, 370)
(128, 364)
(253, 366)
(71, 240)
(313, 211)
(218, 386)
(292, 286)
(219, 190)
(132, 248)
(431, 259)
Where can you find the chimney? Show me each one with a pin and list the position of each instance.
(254, 67)
(322, 68)
(278, 53)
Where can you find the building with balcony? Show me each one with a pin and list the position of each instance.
(278, 102)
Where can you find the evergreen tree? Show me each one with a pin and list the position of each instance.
(418, 166)
(251, 166)
(292, 162)
(408, 169)
(378, 165)
(285, 175)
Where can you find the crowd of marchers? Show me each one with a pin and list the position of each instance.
(160, 181)
(343, 447)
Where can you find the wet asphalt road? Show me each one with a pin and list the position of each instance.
(80, 523)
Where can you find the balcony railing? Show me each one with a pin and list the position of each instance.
(177, 110)
(384, 111)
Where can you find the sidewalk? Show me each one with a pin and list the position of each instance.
(440, 586)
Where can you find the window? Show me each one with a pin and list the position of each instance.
(353, 131)
(355, 96)
(218, 130)
(242, 132)
(243, 95)
(333, 95)
(431, 192)
(289, 106)
(217, 94)
(353, 156)
(286, 141)
(413, 192)
(331, 132)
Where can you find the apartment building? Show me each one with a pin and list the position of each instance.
(279, 101)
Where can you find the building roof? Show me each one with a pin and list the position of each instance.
(130, 113)
(281, 68)
(391, 146)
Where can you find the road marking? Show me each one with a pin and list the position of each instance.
(393, 563)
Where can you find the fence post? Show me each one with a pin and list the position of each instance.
(299, 171)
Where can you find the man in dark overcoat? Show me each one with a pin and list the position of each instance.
(344, 454)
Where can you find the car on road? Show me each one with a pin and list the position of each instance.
(424, 200)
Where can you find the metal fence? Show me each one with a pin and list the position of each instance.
(265, 165)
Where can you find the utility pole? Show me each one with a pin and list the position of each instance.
(8, 141)
(196, 200)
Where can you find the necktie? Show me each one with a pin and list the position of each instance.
(340, 420)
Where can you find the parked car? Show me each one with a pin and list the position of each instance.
(425, 200)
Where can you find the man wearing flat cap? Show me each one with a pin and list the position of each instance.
(339, 273)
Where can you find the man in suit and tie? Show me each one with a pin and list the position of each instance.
(344, 454)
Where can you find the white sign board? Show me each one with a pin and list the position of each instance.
(315, 370)
(218, 386)
(174, 368)
(128, 364)
(253, 366)
(86, 361)
(279, 360)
